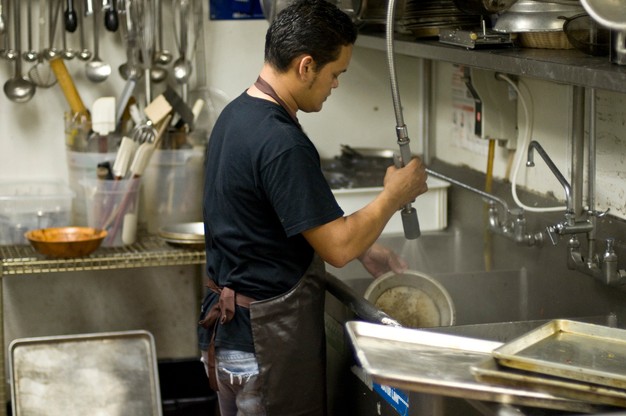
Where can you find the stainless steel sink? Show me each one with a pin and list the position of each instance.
(515, 292)
(500, 302)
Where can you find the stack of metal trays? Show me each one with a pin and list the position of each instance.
(422, 18)
(571, 359)
(463, 367)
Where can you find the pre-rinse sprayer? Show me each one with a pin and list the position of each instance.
(410, 222)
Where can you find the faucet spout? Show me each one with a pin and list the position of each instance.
(534, 145)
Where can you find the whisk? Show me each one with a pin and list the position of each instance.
(41, 74)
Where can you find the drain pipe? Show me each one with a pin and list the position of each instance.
(410, 221)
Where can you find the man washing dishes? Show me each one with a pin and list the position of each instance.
(271, 221)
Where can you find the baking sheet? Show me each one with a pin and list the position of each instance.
(108, 374)
(570, 349)
(429, 362)
(489, 371)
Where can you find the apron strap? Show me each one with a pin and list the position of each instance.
(224, 309)
(265, 87)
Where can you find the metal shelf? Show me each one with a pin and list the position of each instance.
(149, 251)
(562, 66)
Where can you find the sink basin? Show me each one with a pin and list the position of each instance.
(518, 292)
(512, 292)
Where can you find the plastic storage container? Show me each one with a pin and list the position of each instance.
(432, 207)
(30, 205)
(112, 205)
(83, 166)
(172, 188)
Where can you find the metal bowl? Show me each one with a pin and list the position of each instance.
(610, 14)
(66, 242)
(413, 299)
(536, 16)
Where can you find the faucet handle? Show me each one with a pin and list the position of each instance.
(553, 233)
(596, 213)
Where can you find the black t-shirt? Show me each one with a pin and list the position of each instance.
(263, 188)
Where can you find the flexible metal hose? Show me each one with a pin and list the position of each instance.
(395, 94)
(410, 221)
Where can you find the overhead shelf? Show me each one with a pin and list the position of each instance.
(562, 66)
(149, 251)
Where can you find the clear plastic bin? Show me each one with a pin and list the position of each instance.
(30, 205)
(83, 166)
(172, 187)
(112, 205)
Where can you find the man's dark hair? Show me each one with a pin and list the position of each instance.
(313, 27)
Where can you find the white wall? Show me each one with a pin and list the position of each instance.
(359, 113)
(550, 109)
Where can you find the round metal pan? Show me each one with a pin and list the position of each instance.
(190, 233)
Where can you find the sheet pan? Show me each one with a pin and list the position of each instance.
(108, 374)
(429, 362)
(489, 371)
(570, 349)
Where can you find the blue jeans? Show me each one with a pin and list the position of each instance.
(238, 382)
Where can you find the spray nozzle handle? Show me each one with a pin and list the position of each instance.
(410, 222)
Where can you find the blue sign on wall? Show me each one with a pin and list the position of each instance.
(235, 9)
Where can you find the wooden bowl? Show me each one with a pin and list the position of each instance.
(66, 242)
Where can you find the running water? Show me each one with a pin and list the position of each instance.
(415, 255)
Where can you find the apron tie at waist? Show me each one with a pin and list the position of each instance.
(224, 309)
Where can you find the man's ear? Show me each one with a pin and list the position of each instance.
(306, 67)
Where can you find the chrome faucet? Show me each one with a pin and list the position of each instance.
(605, 269)
(571, 225)
(530, 162)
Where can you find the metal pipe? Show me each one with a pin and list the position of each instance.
(426, 89)
(484, 194)
(578, 152)
(591, 176)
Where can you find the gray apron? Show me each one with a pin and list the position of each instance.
(290, 346)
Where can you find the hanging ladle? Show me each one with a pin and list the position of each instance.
(84, 54)
(182, 67)
(41, 74)
(31, 54)
(18, 89)
(96, 70)
(53, 14)
(162, 56)
(7, 52)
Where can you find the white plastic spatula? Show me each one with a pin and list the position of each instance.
(103, 115)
